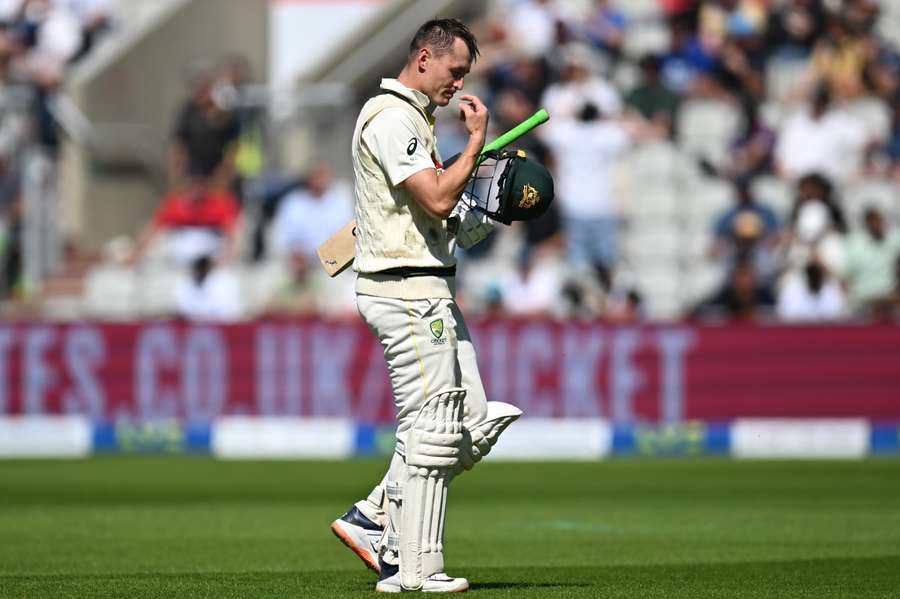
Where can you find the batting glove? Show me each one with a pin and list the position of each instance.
(473, 225)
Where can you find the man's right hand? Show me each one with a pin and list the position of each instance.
(474, 115)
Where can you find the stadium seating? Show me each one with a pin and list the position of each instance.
(880, 193)
(707, 127)
(110, 293)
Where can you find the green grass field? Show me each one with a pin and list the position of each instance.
(195, 527)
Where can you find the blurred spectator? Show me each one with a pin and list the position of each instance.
(748, 232)
(14, 134)
(586, 294)
(584, 151)
(731, 34)
(543, 232)
(205, 137)
(305, 218)
(810, 295)
(752, 151)
(815, 187)
(605, 28)
(530, 27)
(882, 69)
(512, 107)
(892, 146)
(688, 66)
(742, 297)
(721, 19)
(95, 18)
(741, 66)
(860, 15)
(793, 28)
(200, 222)
(869, 263)
(579, 85)
(230, 92)
(624, 307)
(300, 289)
(527, 76)
(651, 98)
(10, 243)
(533, 288)
(819, 139)
(684, 9)
(817, 226)
(839, 59)
(309, 215)
(209, 294)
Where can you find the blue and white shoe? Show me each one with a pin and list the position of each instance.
(361, 535)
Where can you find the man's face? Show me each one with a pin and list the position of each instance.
(874, 223)
(444, 74)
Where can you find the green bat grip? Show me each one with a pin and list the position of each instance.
(539, 117)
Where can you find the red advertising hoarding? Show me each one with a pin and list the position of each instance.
(162, 370)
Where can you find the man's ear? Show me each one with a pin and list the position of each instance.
(422, 59)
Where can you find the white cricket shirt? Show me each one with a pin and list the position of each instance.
(394, 139)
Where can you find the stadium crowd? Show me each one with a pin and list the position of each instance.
(812, 96)
(713, 159)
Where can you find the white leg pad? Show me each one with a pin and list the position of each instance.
(390, 543)
(432, 456)
(480, 438)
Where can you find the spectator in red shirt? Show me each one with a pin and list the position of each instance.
(201, 221)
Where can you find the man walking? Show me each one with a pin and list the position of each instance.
(405, 293)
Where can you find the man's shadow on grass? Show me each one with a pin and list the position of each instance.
(476, 586)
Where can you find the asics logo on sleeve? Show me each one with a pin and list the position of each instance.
(413, 144)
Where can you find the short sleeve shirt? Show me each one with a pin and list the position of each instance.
(395, 139)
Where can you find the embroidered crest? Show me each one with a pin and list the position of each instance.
(530, 197)
(437, 328)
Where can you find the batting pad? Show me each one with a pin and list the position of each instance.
(481, 437)
(432, 457)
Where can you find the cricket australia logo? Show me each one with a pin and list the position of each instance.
(437, 329)
(530, 197)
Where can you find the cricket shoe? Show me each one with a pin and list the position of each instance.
(361, 535)
(389, 582)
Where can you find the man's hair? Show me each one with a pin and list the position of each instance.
(439, 34)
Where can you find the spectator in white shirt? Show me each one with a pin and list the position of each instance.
(580, 85)
(585, 147)
(821, 139)
(584, 151)
(533, 288)
(209, 295)
(810, 295)
(531, 27)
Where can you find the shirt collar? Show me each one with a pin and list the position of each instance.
(414, 95)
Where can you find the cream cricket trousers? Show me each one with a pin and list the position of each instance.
(428, 349)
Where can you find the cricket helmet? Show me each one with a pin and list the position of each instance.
(508, 186)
